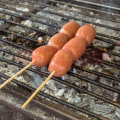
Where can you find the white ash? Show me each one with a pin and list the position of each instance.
(117, 112)
(116, 50)
(36, 80)
(52, 17)
(2, 23)
(60, 92)
(92, 76)
(17, 29)
(40, 26)
(107, 57)
(13, 11)
(98, 43)
(1, 9)
(27, 23)
(106, 81)
(22, 9)
(102, 109)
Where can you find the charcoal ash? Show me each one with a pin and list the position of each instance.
(17, 29)
(27, 23)
(22, 9)
(107, 57)
(117, 112)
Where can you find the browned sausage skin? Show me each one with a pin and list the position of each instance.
(61, 62)
(77, 46)
(63, 59)
(58, 40)
(42, 55)
(88, 32)
(70, 29)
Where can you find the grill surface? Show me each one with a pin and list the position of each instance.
(105, 12)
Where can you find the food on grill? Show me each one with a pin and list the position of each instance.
(42, 55)
(61, 62)
(58, 40)
(77, 46)
(70, 29)
(88, 32)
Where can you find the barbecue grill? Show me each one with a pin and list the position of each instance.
(90, 90)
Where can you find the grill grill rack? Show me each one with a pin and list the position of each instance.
(114, 103)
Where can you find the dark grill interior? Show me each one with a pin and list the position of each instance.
(26, 42)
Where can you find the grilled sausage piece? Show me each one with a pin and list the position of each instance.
(77, 46)
(70, 29)
(61, 62)
(43, 55)
(88, 32)
(58, 40)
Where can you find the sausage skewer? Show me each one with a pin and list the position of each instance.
(42, 55)
(61, 62)
(63, 59)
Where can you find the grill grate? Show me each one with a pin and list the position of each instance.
(100, 36)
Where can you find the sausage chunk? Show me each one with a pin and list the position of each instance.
(88, 32)
(58, 40)
(61, 62)
(70, 29)
(77, 46)
(43, 55)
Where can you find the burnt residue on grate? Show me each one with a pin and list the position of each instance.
(91, 87)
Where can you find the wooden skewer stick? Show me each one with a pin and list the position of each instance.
(33, 95)
(18, 73)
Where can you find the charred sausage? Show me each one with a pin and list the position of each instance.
(43, 55)
(61, 62)
(77, 46)
(70, 29)
(88, 32)
(58, 40)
